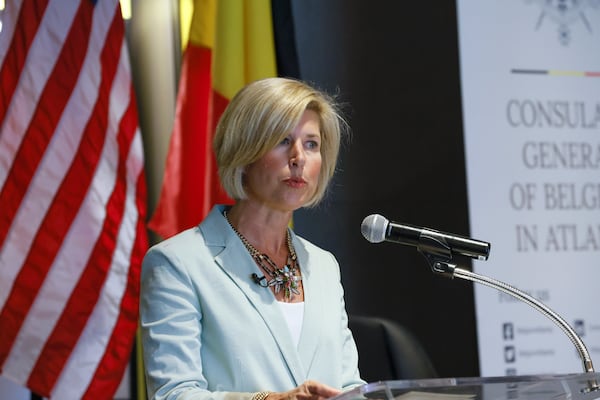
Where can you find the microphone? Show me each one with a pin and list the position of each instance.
(376, 228)
(259, 279)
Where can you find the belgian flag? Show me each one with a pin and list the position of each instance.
(231, 43)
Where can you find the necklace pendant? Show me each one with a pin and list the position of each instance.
(286, 277)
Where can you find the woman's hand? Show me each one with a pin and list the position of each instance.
(309, 390)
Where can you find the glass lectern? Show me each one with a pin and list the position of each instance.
(582, 386)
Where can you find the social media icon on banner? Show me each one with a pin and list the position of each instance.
(510, 354)
(508, 332)
(579, 326)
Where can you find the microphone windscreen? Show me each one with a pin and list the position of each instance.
(374, 227)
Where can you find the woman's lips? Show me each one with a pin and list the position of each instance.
(295, 182)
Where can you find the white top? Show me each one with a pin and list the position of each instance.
(294, 315)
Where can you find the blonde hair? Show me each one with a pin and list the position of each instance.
(260, 116)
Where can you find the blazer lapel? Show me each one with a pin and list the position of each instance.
(237, 263)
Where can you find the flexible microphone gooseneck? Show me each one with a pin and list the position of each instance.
(438, 248)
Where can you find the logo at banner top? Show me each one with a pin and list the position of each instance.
(565, 13)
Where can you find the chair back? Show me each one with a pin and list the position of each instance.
(388, 351)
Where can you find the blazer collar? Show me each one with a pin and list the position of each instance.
(237, 263)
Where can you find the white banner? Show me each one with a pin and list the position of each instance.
(530, 72)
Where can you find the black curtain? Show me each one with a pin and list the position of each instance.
(395, 67)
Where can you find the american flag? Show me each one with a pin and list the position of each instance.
(72, 198)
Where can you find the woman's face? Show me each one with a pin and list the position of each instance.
(286, 177)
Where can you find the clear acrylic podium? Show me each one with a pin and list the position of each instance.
(582, 386)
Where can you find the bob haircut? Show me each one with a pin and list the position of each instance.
(260, 116)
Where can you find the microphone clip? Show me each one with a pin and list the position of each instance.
(438, 254)
(259, 280)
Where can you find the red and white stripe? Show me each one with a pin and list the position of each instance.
(72, 195)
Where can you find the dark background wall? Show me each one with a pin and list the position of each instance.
(395, 65)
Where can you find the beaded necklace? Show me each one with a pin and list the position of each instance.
(286, 277)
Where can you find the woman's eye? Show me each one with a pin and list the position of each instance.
(312, 144)
(286, 141)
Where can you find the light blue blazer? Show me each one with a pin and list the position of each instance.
(210, 332)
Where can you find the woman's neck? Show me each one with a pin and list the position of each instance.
(264, 228)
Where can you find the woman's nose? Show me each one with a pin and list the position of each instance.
(297, 156)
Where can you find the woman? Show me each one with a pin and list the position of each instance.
(240, 307)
